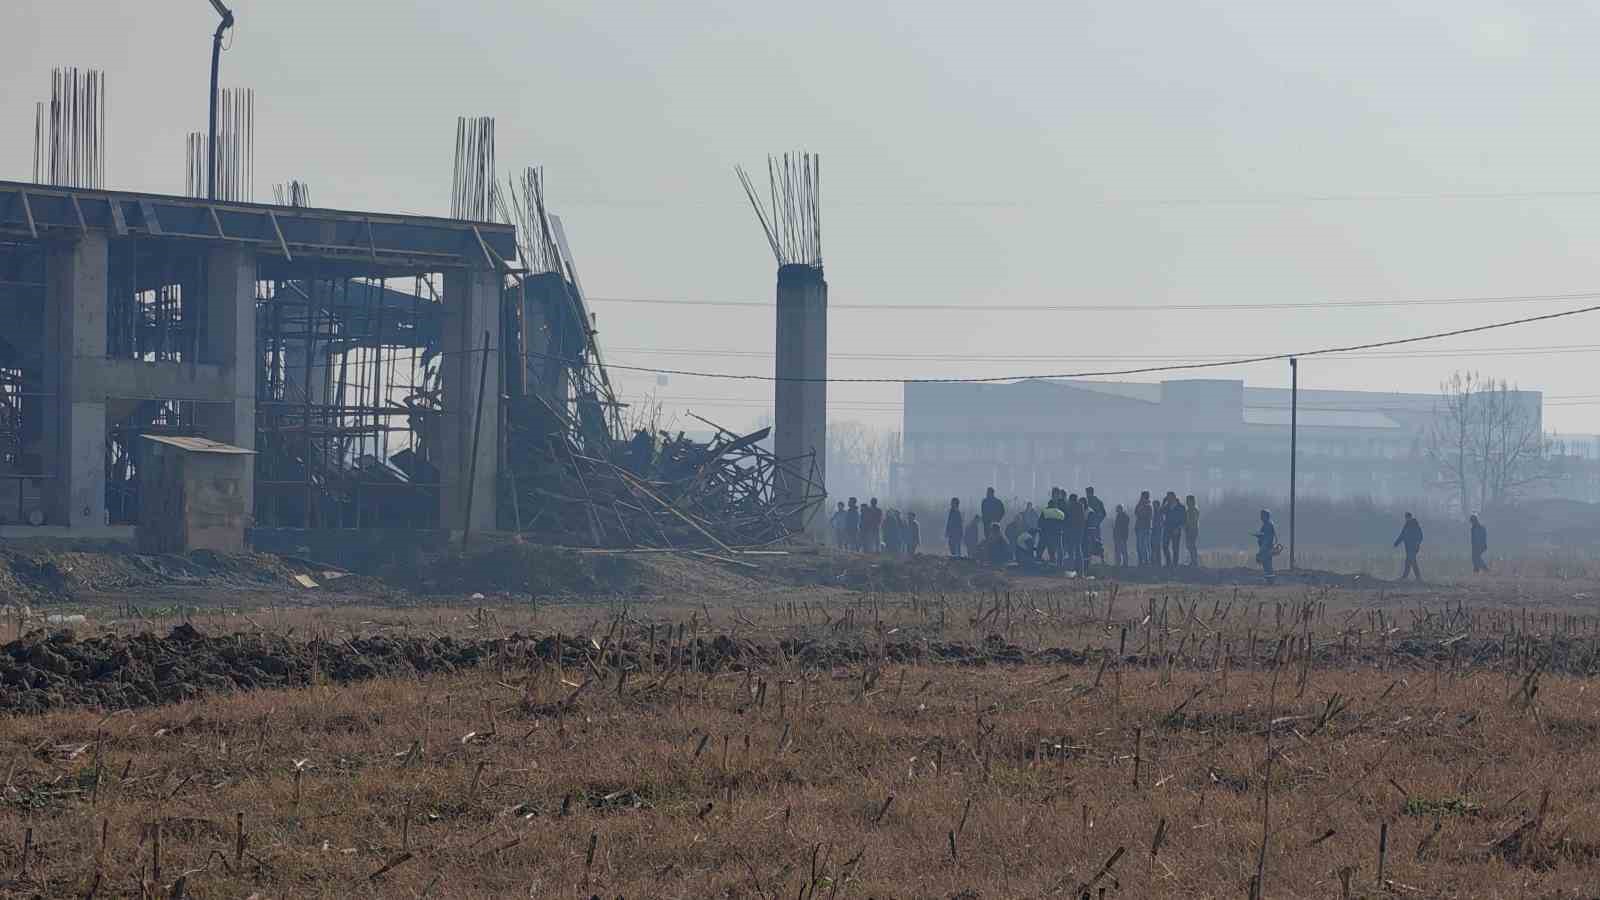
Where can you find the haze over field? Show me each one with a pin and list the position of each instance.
(1114, 153)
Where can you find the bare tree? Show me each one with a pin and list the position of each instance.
(1487, 443)
(859, 459)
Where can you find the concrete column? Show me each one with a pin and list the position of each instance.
(471, 308)
(230, 342)
(75, 327)
(800, 408)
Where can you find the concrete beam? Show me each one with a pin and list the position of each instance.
(134, 379)
(471, 310)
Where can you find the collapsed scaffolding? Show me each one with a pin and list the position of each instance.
(351, 406)
(569, 473)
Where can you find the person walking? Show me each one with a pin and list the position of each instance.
(1143, 518)
(871, 527)
(952, 528)
(1030, 517)
(852, 526)
(913, 534)
(974, 537)
(1411, 538)
(1119, 535)
(837, 523)
(1266, 544)
(1480, 545)
(1191, 530)
(994, 511)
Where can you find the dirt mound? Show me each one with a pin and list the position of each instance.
(42, 573)
(42, 671)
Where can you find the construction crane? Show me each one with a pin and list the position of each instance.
(216, 60)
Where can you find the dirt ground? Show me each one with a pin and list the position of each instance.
(538, 722)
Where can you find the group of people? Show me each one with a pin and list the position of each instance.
(1068, 532)
(868, 528)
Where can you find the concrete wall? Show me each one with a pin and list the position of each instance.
(800, 408)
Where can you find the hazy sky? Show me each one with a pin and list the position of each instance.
(1102, 152)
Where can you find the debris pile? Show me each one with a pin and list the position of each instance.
(652, 492)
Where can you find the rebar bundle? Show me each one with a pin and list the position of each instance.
(69, 134)
(474, 191)
(526, 210)
(791, 215)
(295, 193)
(236, 149)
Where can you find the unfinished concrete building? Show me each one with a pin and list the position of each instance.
(346, 348)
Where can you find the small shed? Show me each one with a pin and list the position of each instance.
(194, 494)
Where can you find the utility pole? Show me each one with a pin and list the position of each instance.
(211, 133)
(1294, 438)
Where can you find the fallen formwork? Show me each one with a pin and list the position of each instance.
(728, 495)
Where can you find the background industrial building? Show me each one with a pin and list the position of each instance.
(1209, 437)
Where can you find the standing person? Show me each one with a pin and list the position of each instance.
(994, 511)
(1191, 530)
(1266, 543)
(871, 526)
(1143, 519)
(1174, 518)
(852, 526)
(1030, 517)
(1072, 539)
(1411, 537)
(974, 537)
(913, 534)
(891, 533)
(1094, 515)
(1052, 526)
(1119, 535)
(837, 523)
(1480, 545)
(952, 528)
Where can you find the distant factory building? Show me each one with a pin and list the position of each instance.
(1207, 437)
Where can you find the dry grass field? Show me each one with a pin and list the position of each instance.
(1051, 739)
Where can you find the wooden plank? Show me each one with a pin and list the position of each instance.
(484, 246)
(152, 223)
(282, 244)
(27, 210)
(118, 220)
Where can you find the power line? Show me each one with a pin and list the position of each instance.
(1140, 370)
(989, 357)
(1124, 307)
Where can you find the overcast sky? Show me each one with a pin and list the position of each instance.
(1115, 152)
